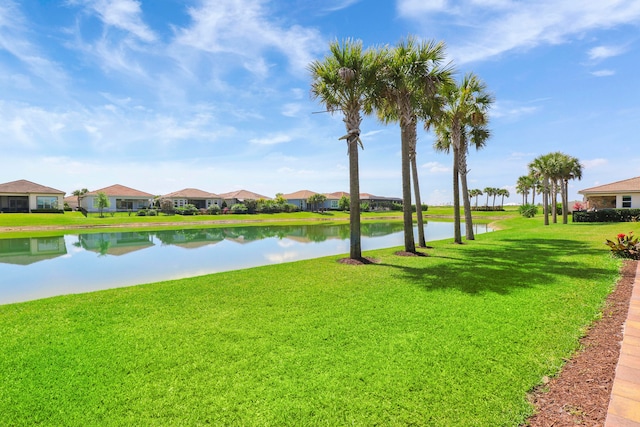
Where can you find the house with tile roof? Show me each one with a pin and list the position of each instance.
(616, 195)
(240, 196)
(193, 196)
(299, 198)
(25, 196)
(121, 198)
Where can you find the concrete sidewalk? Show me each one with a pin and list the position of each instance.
(624, 406)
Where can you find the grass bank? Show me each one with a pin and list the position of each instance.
(456, 338)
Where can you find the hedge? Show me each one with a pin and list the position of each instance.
(607, 215)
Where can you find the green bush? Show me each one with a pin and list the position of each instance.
(528, 210)
(239, 208)
(364, 207)
(607, 215)
(396, 206)
(152, 212)
(187, 209)
(214, 210)
(141, 212)
(424, 206)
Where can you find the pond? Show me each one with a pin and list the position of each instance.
(39, 267)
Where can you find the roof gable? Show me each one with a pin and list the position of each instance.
(631, 185)
(27, 187)
(302, 194)
(243, 195)
(191, 193)
(121, 191)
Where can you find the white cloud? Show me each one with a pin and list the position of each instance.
(515, 25)
(603, 52)
(272, 139)
(291, 109)
(435, 167)
(122, 14)
(594, 163)
(506, 109)
(603, 73)
(244, 29)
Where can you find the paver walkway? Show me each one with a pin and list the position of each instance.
(624, 406)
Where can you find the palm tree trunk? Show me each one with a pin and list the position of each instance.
(545, 200)
(352, 122)
(416, 185)
(554, 201)
(455, 145)
(565, 201)
(409, 242)
(468, 222)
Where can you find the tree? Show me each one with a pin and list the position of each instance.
(475, 193)
(463, 123)
(503, 192)
(79, 194)
(316, 201)
(345, 81)
(541, 167)
(411, 78)
(343, 203)
(523, 185)
(102, 200)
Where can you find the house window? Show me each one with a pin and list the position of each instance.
(334, 204)
(123, 204)
(46, 202)
(626, 201)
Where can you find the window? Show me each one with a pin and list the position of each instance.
(46, 202)
(123, 204)
(626, 201)
(334, 204)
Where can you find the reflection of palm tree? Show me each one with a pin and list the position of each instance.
(103, 246)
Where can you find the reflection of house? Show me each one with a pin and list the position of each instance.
(620, 194)
(192, 196)
(191, 239)
(115, 243)
(26, 251)
(240, 196)
(25, 196)
(121, 198)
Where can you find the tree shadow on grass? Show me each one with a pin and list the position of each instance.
(504, 266)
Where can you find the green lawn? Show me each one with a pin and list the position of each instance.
(457, 338)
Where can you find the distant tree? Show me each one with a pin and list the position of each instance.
(102, 200)
(503, 192)
(280, 200)
(79, 194)
(166, 206)
(316, 201)
(343, 203)
(475, 193)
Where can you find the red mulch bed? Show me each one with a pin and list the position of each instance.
(579, 395)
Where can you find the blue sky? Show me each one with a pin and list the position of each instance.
(160, 95)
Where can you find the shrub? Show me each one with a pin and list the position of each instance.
(166, 207)
(528, 210)
(424, 206)
(343, 203)
(214, 210)
(141, 212)
(187, 209)
(625, 246)
(364, 206)
(152, 212)
(607, 215)
(239, 208)
(396, 206)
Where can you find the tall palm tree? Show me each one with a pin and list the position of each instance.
(523, 185)
(542, 167)
(463, 122)
(475, 193)
(79, 194)
(411, 77)
(503, 192)
(344, 81)
(570, 169)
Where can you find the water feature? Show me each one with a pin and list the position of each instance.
(39, 267)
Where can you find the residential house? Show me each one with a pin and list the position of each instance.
(299, 199)
(25, 196)
(240, 196)
(334, 198)
(192, 196)
(379, 203)
(619, 194)
(121, 198)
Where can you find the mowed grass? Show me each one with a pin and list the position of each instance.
(457, 338)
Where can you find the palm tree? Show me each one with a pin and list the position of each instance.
(475, 193)
(344, 81)
(570, 168)
(463, 122)
(503, 192)
(410, 81)
(542, 168)
(523, 185)
(79, 194)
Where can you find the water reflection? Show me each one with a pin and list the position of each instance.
(38, 267)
